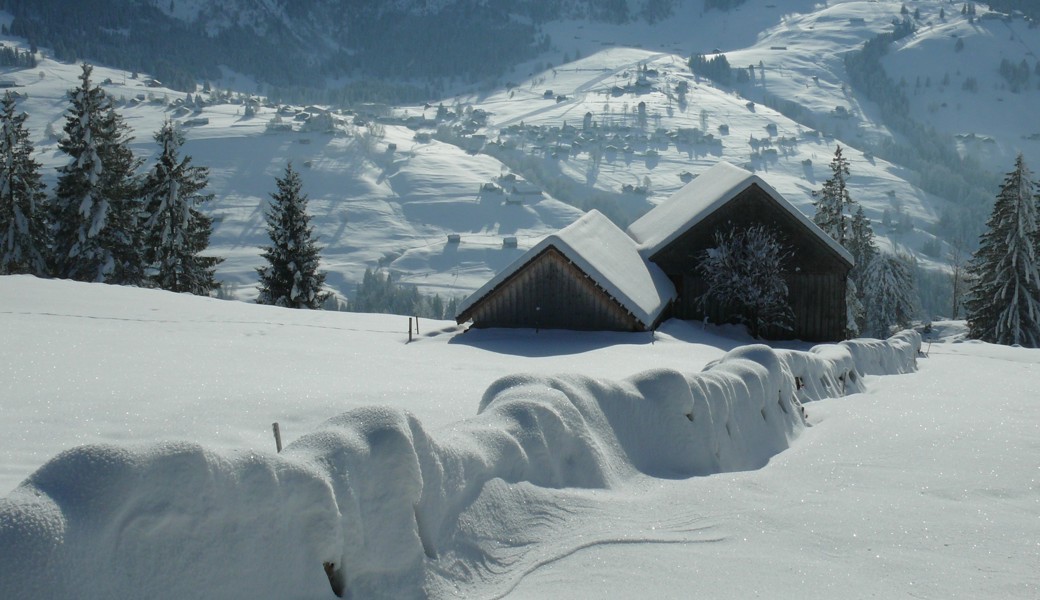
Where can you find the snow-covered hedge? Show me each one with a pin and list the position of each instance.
(371, 501)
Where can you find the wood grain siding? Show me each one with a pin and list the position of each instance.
(816, 273)
(550, 292)
(817, 301)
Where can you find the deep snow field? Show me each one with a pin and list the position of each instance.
(593, 476)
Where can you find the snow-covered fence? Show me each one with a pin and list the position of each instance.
(371, 502)
(897, 354)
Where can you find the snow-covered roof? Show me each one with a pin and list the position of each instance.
(703, 196)
(607, 255)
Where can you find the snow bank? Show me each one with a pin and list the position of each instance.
(371, 503)
(897, 354)
(167, 521)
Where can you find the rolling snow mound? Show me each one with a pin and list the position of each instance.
(376, 506)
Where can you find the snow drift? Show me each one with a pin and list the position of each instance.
(371, 503)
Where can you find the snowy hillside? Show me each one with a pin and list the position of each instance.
(389, 185)
(594, 474)
(952, 72)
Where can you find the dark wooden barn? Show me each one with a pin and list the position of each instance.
(593, 276)
(588, 276)
(675, 234)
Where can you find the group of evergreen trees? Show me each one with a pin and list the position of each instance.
(881, 290)
(1017, 76)
(380, 293)
(13, 57)
(104, 222)
(1004, 300)
(716, 68)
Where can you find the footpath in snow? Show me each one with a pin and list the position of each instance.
(373, 505)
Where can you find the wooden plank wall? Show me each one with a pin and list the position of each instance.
(551, 293)
(815, 273)
(817, 300)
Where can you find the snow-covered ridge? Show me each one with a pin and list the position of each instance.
(386, 507)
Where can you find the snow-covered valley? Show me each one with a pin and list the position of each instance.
(390, 184)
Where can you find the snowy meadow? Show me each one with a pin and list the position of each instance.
(496, 463)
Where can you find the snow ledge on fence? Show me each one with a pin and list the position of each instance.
(371, 503)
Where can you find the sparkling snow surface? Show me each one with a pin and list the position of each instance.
(918, 485)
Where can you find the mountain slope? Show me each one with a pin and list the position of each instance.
(390, 184)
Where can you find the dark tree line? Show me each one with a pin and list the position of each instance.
(20, 59)
(1029, 8)
(372, 40)
(1017, 75)
(716, 68)
(380, 293)
(722, 4)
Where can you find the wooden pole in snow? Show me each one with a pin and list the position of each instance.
(277, 436)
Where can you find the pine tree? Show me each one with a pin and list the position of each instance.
(863, 248)
(1004, 301)
(24, 236)
(891, 294)
(291, 278)
(96, 205)
(833, 200)
(175, 231)
(745, 272)
(832, 203)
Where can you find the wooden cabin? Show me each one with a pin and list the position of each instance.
(593, 276)
(675, 234)
(587, 276)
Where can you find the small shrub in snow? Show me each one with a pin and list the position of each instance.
(745, 271)
(891, 294)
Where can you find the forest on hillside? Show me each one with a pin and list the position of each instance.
(302, 44)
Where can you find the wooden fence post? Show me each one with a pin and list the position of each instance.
(277, 436)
